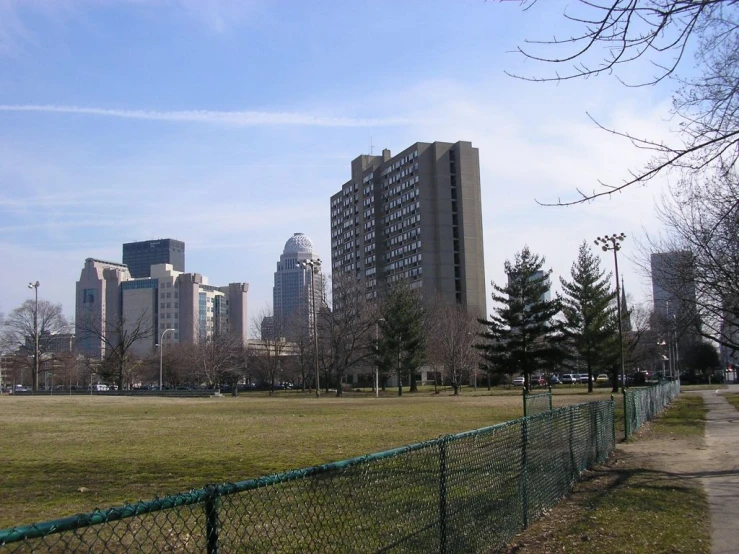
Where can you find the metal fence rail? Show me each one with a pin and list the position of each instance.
(643, 404)
(470, 492)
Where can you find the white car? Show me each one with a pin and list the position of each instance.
(519, 382)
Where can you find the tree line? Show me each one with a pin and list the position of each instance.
(387, 340)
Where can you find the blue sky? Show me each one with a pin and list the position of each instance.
(229, 124)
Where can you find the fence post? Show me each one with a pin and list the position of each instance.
(211, 519)
(573, 461)
(442, 495)
(596, 432)
(626, 417)
(613, 420)
(524, 470)
(525, 404)
(551, 396)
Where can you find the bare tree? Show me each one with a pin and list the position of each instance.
(120, 336)
(702, 226)
(266, 356)
(452, 334)
(615, 33)
(303, 347)
(346, 332)
(220, 359)
(19, 334)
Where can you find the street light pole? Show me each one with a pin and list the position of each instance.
(377, 365)
(314, 266)
(35, 287)
(614, 243)
(161, 352)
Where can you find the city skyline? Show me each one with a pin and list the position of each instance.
(108, 134)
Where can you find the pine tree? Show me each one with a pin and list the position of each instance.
(401, 345)
(590, 318)
(522, 334)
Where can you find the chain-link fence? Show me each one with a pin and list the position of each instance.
(642, 404)
(470, 492)
(537, 403)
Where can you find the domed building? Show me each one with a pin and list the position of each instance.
(292, 304)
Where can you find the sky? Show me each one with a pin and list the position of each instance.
(229, 124)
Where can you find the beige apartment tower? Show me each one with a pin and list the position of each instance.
(414, 217)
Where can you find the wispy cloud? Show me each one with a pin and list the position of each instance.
(231, 118)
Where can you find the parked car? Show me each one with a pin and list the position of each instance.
(538, 381)
(602, 378)
(519, 382)
(570, 378)
(554, 380)
(584, 378)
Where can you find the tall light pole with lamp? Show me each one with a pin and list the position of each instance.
(607, 243)
(161, 352)
(35, 287)
(314, 266)
(672, 340)
(377, 365)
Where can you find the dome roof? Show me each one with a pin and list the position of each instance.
(298, 244)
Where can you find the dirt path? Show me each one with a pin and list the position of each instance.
(720, 474)
(714, 463)
(711, 462)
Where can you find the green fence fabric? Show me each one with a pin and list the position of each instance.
(536, 403)
(470, 492)
(643, 404)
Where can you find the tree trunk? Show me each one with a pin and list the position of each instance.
(412, 380)
(120, 375)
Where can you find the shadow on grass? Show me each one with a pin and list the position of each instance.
(599, 485)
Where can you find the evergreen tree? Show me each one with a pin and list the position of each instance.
(401, 348)
(522, 334)
(590, 318)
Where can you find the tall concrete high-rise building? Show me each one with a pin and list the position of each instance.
(673, 285)
(140, 256)
(291, 294)
(675, 303)
(414, 217)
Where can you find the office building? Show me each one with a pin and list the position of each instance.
(111, 300)
(415, 217)
(673, 286)
(98, 303)
(140, 256)
(291, 294)
(538, 275)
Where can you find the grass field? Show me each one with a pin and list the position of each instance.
(69, 454)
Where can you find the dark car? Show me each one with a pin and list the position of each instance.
(554, 380)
